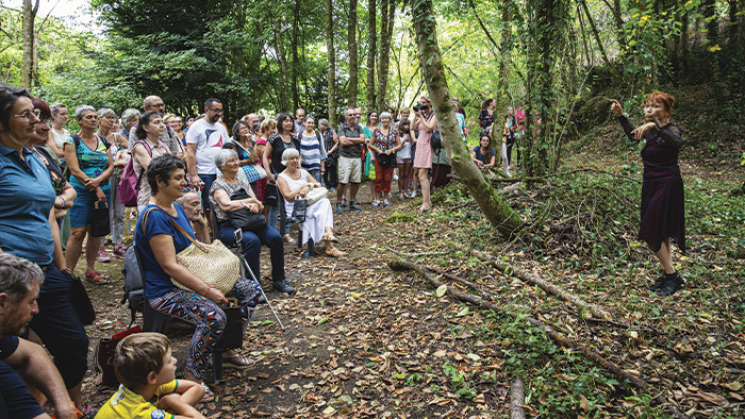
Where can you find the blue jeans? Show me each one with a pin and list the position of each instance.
(251, 246)
(208, 181)
(274, 212)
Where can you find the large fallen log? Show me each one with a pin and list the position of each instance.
(589, 354)
(550, 288)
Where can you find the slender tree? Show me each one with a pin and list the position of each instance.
(353, 65)
(388, 19)
(29, 15)
(332, 62)
(372, 50)
(499, 214)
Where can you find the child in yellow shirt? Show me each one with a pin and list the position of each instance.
(149, 390)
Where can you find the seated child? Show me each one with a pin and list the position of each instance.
(149, 390)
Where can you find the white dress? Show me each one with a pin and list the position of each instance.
(317, 217)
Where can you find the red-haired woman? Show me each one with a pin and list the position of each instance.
(662, 215)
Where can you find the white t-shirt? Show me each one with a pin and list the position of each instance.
(209, 139)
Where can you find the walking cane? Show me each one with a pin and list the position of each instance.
(248, 268)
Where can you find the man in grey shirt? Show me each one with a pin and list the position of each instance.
(351, 139)
(155, 103)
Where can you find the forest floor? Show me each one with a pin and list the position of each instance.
(364, 341)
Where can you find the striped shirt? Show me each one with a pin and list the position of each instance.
(312, 152)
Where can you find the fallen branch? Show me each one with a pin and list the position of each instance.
(525, 276)
(589, 354)
(535, 179)
(418, 254)
(517, 398)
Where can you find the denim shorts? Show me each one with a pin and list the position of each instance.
(82, 209)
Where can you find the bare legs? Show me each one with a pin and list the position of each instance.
(421, 173)
(75, 246)
(665, 256)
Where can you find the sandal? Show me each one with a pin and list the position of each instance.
(237, 361)
(335, 253)
(95, 277)
(329, 237)
(209, 395)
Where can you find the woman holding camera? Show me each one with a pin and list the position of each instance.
(662, 207)
(426, 123)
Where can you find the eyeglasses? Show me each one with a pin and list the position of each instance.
(30, 116)
(219, 111)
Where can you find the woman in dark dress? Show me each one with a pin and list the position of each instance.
(662, 212)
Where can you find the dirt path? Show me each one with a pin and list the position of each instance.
(359, 339)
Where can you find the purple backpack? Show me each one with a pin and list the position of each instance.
(129, 185)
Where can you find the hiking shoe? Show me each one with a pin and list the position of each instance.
(343, 203)
(103, 257)
(119, 251)
(386, 203)
(672, 284)
(339, 209)
(354, 206)
(283, 286)
(375, 204)
(658, 283)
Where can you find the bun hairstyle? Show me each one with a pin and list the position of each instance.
(485, 104)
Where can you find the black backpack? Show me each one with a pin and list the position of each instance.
(134, 286)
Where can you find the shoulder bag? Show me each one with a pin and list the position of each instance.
(100, 225)
(214, 264)
(244, 219)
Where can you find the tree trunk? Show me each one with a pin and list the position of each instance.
(372, 48)
(353, 65)
(332, 62)
(29, 15)
(295, 58)
(387, 22)
(595, 34)
(281, 59)
(499, 214)
(505, 57)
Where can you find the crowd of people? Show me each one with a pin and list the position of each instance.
(191, 176)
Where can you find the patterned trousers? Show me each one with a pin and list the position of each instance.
(207, 317)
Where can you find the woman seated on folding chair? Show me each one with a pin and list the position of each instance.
(221, 198)
(161, 234)
(295, 183)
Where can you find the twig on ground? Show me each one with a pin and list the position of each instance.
(525, 276)
(417, 254)
(589, 354)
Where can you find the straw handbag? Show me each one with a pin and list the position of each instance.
(214, 264)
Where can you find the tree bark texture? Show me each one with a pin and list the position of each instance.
(388, 19)
(353, 65)
(332, 62)
(29, 15)
(517, 398)
(498, 212)
(372, 51)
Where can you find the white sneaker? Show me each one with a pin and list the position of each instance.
(395, 177)
(413, 194)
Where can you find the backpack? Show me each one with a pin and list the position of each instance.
(134, 286)
(129, 185)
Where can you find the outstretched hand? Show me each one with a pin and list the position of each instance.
(616, 108)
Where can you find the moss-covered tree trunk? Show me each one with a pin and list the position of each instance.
(29, 14)
(372, 51)
(499, 214)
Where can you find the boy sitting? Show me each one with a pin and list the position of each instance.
(145, 368)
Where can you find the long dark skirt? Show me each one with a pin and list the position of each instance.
(662, 212)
